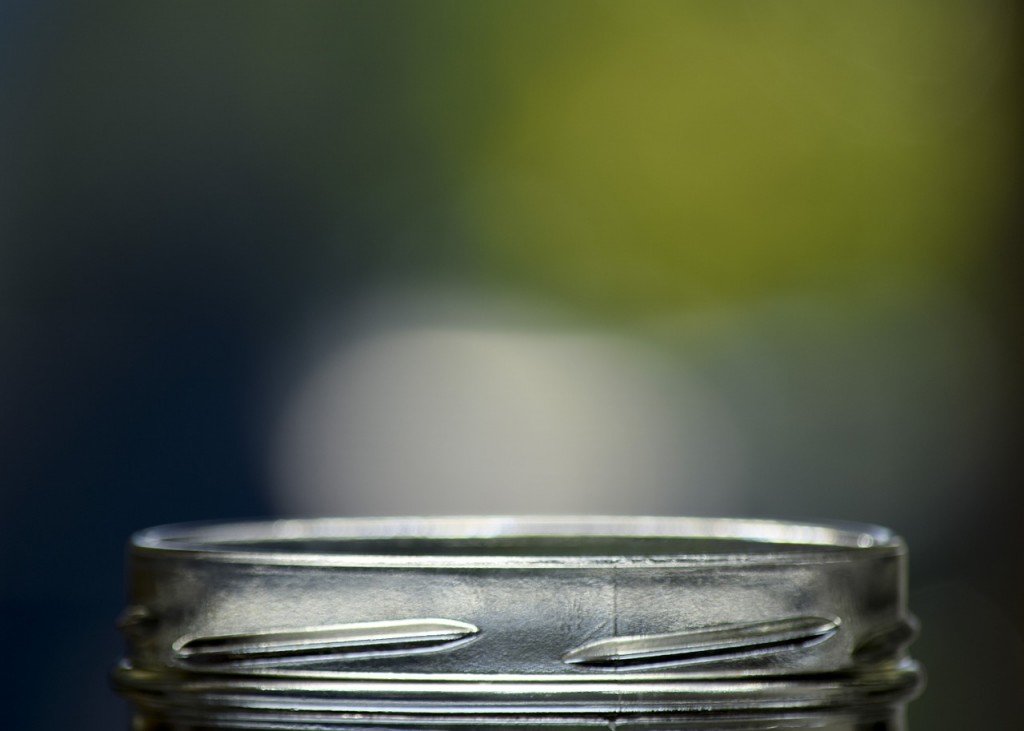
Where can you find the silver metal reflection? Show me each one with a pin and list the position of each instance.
(706, 644)
(308, 644)
(572, 622)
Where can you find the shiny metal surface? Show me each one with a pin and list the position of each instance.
(573, 622)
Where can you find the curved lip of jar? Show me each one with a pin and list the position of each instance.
(512, 541)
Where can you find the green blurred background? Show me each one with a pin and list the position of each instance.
(697, 257)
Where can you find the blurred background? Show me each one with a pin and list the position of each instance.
(373, 258)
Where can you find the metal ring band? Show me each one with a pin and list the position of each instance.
(470, 618)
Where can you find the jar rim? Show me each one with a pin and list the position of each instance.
(517, 541)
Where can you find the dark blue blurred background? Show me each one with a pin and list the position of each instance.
(798, 227)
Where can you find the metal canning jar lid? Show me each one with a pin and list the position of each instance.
(563, 621)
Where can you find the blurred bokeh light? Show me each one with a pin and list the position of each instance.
(453, 257)
(438, 404)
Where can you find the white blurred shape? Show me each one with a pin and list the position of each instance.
(456, 419)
